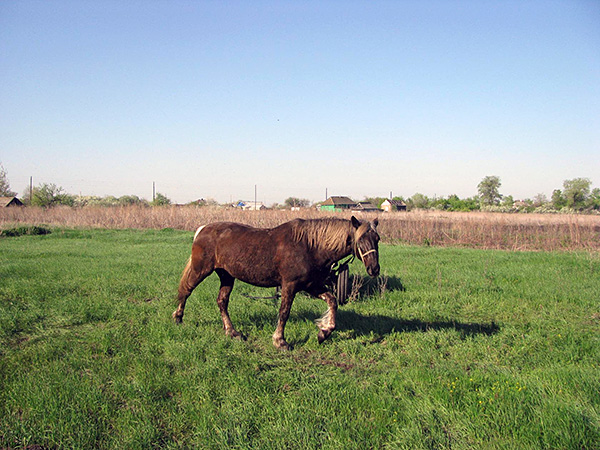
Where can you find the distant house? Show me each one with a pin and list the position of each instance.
(521, 204)
(389, 205)
(7, 202)
(335, 203)
(365, 207)
(250, 205)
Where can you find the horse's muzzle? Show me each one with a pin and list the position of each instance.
(373, 271)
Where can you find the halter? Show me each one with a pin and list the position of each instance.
(359, 251)
(362, 255)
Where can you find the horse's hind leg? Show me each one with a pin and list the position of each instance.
(223, 302)
(191, 277)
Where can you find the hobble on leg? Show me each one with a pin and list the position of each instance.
(326, 323)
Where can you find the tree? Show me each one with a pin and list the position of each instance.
(293, 202)
(419, 201)
(48, 194)
(161, 200)
(4, 184)
(26, 196)
(558, 199)
(488, 189)
(577, 192)
(441, 203)
(508, 201)
(128, 200)
(594, 200)
(540, 200)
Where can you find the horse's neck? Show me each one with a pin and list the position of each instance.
(337, 243)
(334, 256)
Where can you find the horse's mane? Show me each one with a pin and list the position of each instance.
(327, 234)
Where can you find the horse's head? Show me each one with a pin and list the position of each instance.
(366, 241)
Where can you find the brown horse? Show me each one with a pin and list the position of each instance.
(296, 255)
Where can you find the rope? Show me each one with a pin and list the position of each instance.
(337, 267)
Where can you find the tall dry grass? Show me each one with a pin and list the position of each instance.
(495, 230)
(478, 229)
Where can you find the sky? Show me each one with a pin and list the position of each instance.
(208, 99)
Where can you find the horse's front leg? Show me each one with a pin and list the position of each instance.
(288, 291)
(326, 323)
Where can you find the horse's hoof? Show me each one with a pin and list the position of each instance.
(178, 319)
(282, 344)
(239, 336)
(323, 335)
(235, 335)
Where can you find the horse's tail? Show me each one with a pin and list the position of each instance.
(194, 272)
(184, 283)
(185, 276)
(186, 270)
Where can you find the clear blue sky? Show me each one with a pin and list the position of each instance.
(209, 98)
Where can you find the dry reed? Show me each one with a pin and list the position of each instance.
(477, 229)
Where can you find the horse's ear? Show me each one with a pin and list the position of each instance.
(355, 222)
(375, 222)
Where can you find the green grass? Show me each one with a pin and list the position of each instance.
(463, 349)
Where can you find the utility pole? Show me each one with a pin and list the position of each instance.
(153, 191)
(326, 196)
(255, 198)
(30, 190)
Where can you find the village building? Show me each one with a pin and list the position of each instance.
(365, 207)
(336, 203)
(251, 205)
(390, 205)
(8, 202)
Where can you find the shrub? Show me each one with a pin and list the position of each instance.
(25, 230)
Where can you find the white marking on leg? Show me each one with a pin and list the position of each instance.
(325, 322)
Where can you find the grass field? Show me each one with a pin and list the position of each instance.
(460, 348)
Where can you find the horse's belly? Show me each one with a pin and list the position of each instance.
(254, 276)
(251, 266)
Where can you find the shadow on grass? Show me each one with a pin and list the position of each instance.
(363, 287)
(384, 325)
(380, 325)
(363, 325)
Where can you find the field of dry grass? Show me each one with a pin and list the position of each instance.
(521, 232)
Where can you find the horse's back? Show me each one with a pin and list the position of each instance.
(246, 253)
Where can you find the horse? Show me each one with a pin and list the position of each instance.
(297, 256)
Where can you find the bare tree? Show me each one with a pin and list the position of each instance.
(4, 184)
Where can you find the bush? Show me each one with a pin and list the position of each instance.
(161, 200)
(25, 230)
(109, 200)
